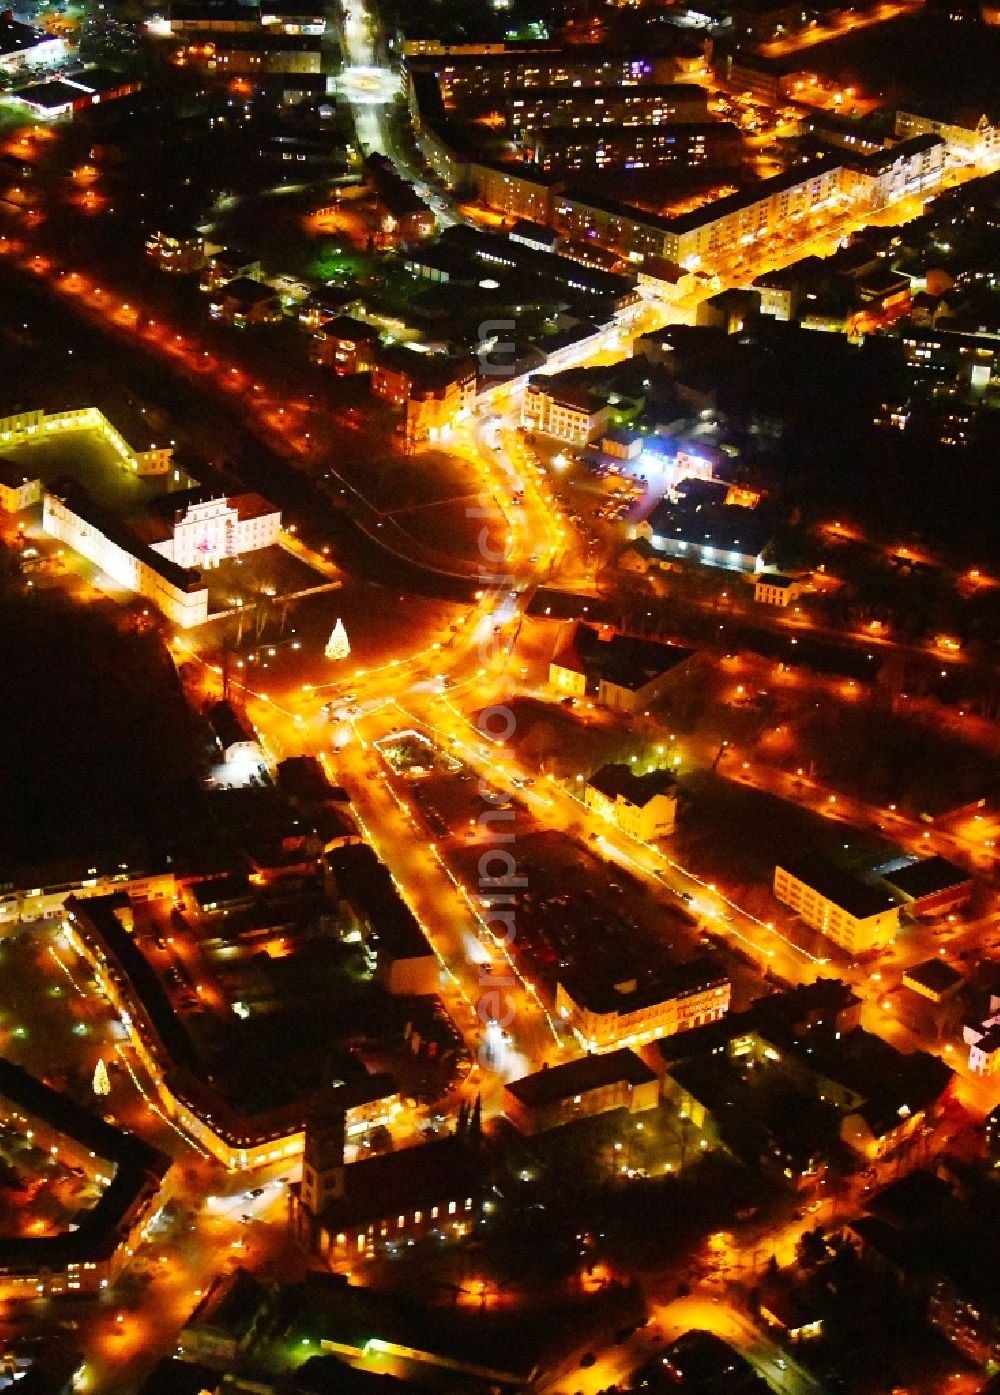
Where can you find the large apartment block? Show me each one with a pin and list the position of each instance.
(852, 913)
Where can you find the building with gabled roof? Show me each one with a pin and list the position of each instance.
(579, 1089)
(643, 805)
(626, 673)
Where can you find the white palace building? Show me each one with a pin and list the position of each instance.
(160, 555)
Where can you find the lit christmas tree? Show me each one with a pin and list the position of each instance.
(338, 646)
(102, 1085)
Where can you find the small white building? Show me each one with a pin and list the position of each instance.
(775, 588)
(983, 1041)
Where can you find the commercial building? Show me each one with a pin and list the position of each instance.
(132, 1179)
(604, 1016)
(930, 886)
(145, 457)
(852, 913)
(579, 1089)
(22, 46)
(67, 95)
(624, 673)
(99, 929)
(397, 948)
(577, 415)
(642, 805)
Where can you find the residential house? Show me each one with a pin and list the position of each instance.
(642, 805)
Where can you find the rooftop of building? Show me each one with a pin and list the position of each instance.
(229, 727)
(592, 1072)
(858, 898)
(603, 995)
(16, 37)
(51, 95)
(247, 292)
(348, 328)
(728, 528)
(626, 661)
(622, 782)
(251, 505)
(927, 1230)
(413, 1179)
(805, 1005)
(926, 876)
(935, 975)
(426, 372)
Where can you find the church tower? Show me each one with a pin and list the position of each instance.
(323, 1157)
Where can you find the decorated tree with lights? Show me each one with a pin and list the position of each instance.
(338, 646)
(102, 1085)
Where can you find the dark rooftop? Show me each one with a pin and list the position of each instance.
(577, 1077)
(411, 1179)
(850, 893)
(621, 782)
(602, 995)
(925, 877)
(934, 975)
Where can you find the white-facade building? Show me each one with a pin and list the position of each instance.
(206, 533)
(126, 561)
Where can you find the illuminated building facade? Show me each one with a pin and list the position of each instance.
(205, 533)
(852, 913)
(642, 805)
(604, 1016)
